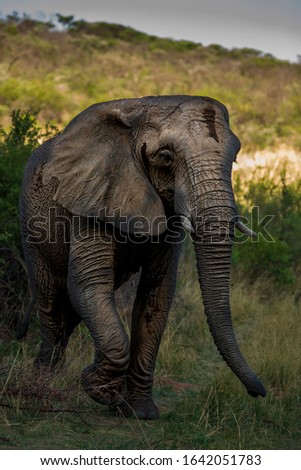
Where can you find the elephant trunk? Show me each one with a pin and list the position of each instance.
(213, 247)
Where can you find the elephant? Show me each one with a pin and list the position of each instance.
(117, 192)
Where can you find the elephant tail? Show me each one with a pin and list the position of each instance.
(22, 327)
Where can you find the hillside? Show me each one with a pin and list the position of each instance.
(62, 72)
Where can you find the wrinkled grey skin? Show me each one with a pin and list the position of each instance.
(154, 159)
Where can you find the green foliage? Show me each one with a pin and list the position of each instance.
(66, 21)
(276, 217)
(109, 31)
(15, 147)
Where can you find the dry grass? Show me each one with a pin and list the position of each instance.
(203, 405)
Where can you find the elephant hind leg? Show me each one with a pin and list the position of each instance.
(57, 322)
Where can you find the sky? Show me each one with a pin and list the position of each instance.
(271, 26)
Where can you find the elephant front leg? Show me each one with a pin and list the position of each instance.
(91, 289)
(152, 305)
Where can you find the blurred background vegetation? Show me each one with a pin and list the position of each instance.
(48, 75)
(62, 72)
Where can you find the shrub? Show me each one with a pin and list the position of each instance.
(276, 216)
(15, 147)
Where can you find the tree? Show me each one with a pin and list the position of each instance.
(66, 21)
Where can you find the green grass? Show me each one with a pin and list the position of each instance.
(202, 404)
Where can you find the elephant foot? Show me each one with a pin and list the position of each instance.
(141, 408)
(102, 389)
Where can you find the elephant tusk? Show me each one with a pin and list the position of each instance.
(185, 221)
(244, 229)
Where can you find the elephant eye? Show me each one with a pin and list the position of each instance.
(166, 157)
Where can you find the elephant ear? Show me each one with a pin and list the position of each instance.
(98, 174)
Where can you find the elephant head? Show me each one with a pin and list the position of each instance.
(137, 162)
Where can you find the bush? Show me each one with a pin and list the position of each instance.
(276, 217)
(15, 147)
